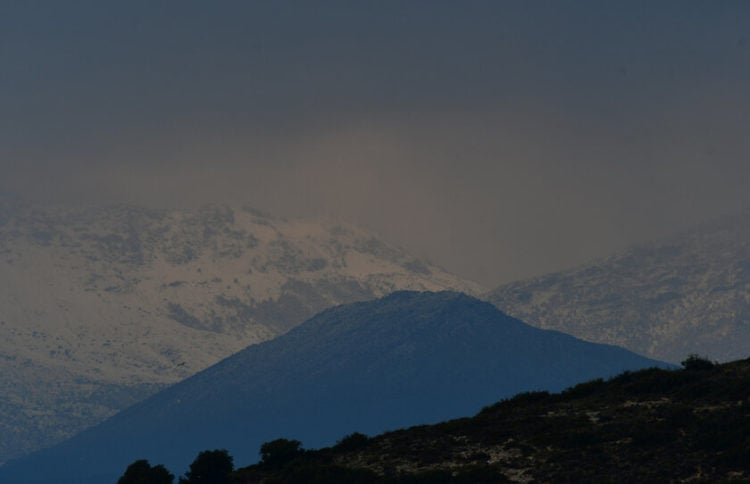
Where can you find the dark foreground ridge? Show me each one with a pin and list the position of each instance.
(407, 359)
(652, 425)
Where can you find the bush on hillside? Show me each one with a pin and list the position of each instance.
(695, 362)
(141, 472)
(277, 453)
(210, 467)
(351, 442)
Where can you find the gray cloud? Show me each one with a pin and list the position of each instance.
(499, 139)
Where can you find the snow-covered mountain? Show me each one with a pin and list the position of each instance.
(686, 294)
(405, 359)
(101, 307)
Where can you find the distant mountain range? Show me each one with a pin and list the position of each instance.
(404, 359)
(686, 294)
(100, 307)
(690, 425)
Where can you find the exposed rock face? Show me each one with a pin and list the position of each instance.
(687, 294)
(101, 307)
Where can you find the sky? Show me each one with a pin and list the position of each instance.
(499, 139)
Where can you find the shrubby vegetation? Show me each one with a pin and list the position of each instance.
(278, 453)
(210, 467)
(696, 362)
(352, 442)
(141, 472)
(652, 425)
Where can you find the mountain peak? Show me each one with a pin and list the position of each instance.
(405, 359)
(104, 305)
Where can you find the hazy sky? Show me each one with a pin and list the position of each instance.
(499, 139)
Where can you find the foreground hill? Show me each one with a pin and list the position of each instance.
(101, 307)
(687, 294)
(647, 426)
(405, 359)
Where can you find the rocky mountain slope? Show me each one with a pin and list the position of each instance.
(404, 359)
(100, 307)
(686, 294)
(688, 425)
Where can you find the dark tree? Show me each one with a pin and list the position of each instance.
(353, 441)
(277, 453)
(695, 362)
(210, 467)
(141, 472)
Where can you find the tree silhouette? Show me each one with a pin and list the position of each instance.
(278, 452)
(696, 362)
(353, 441)
(141, 472)
(210, 467)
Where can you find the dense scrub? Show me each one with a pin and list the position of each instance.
(647, 426)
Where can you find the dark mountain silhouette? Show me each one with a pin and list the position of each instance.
(405, 359)
(648, 426)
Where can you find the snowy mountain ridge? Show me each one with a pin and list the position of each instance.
(689, 293)
(102, 306)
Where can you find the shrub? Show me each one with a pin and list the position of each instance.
(351, 442)
(694, 362)
(279, 452)
(210, 467)
(141, 472)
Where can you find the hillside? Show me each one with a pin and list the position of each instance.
(647, 426)
(101, 307)
(405, 359)
(686, 294)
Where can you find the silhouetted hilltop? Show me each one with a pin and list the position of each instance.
(653, 425)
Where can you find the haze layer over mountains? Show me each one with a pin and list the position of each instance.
(501, 140)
